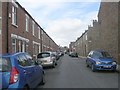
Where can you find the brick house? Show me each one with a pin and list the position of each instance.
(105, 33)
(20, 32)
(108, 19)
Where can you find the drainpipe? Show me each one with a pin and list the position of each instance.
(41, 31)
(7, 28)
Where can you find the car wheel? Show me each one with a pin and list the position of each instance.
(43, 80)
(114, 70)
(53, 65)
(87, 64)
(26, 88)
(93, 68)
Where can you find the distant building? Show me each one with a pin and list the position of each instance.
(72, 47)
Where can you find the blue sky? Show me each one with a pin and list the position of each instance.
(63, 21)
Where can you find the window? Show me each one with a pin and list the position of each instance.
(5, 64)
(39, 33)
(39, 48)
(86, 37)
(105, 55)
(33, 28)
(22, 60)
(30, 60)
(14, 15)
(96, 55)
(42, 34)
(27, 22)
(43, 55)
(13, 45)
(0, 32)
(36, 49)
(20, 46)
(23, 46)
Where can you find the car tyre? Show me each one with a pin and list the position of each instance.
(26, 88)
(93, 68)
(87, 64)
(114, 70)
(43, 80)
(53, 65)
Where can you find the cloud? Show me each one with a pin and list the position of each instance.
(63, 21)
(65, 30)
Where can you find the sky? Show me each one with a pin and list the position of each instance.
(63, 20)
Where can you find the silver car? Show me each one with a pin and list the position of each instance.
(47, 59)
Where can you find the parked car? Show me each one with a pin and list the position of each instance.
(47, 59)
(20, 71)
(73, 54)
(56, 55)
(100, 60)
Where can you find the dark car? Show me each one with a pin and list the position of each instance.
(73, 54)
(19, 70)
(100, 60)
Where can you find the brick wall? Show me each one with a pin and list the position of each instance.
(32, 43)
(104, 34)
(108, 18)
(119, 32)
(0, 26)
(4, 27)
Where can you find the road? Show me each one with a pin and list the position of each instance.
(73, 73)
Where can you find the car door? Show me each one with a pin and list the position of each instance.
(37, 70)
(27, 71)
(89, 59)
(5, 68)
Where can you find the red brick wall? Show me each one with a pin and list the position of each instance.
(20, 30)
(4, 33)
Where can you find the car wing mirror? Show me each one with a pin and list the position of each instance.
(89, 55)
(36, 63)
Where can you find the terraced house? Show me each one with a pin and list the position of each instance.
(104, 34)
(19, 32)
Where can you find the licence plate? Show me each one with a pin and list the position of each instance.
(107, 66)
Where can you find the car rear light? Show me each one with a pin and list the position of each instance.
(13, 75)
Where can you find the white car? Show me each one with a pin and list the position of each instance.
(47, 59)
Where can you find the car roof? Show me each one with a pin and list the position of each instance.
(11, 54)
(99, 50)
(46, 52)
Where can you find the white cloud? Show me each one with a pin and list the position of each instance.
(65, 30)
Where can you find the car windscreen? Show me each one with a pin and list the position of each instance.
(43, 55)
(106, 55)
(5, 64)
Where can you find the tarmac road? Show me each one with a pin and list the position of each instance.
(73, 73)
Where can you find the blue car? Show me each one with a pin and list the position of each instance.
(100, 60)
(19, 70)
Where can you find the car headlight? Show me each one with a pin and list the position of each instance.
(98, 62)
(114, 63)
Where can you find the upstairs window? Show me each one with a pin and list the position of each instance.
(27, 22)
(14, 15)
(38, 32)
(33, 28)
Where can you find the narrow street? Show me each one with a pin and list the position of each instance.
(73, 73)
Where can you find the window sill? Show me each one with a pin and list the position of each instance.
(15, 25)
(26, 31)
